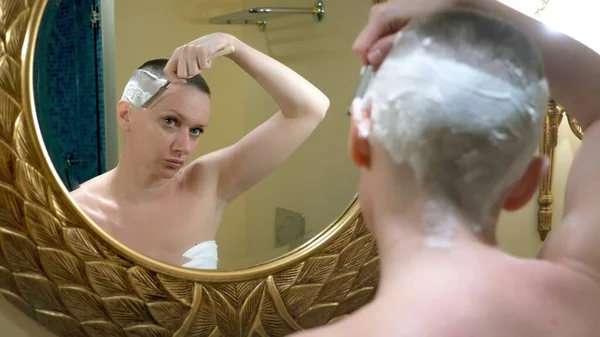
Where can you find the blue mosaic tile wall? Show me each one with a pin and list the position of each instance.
(69, 90)
(100, 96)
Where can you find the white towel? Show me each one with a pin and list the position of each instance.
(202, 256)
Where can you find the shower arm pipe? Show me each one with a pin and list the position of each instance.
(282, 10)
(259, 15)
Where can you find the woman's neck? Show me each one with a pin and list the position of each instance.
(405, 245)
(133, 182)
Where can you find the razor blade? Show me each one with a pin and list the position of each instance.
(365, 79)
(156, 95)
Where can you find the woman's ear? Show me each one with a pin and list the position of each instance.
(359, 146)
(124, 114)
(527, 186)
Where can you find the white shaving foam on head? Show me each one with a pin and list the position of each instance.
(362, 122)
(141, 87)
(468, 135)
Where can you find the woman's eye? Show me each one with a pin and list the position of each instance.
(196, 131)
(170, 121)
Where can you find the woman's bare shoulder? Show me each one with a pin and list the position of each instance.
(92, 189)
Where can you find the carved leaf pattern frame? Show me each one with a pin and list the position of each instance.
(60, 269)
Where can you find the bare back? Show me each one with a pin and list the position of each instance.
(482, 297)
(162, 228)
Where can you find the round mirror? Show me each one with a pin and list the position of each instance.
(235, 167)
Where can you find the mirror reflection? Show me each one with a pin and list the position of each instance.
(197, 134)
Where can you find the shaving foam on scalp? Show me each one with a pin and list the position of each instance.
(467, 134)
(362, 122)
(141, 87)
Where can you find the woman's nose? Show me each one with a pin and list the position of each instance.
(182, 143)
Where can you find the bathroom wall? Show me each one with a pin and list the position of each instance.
(319, 180)
(68, 85)
(14, 323)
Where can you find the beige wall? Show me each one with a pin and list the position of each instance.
(319, 179)
(14, 323)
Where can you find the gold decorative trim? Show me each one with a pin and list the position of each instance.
(59, 268)
(574, 126)
(554, 115)
(549, 141)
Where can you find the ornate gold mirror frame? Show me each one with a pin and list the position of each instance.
(59, 268)
(549, 141)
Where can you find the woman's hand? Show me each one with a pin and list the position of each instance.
(192, 58)
(377, 38)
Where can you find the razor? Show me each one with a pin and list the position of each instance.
(152, 99)
(366, 73)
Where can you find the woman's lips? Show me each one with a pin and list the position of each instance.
(175, 162)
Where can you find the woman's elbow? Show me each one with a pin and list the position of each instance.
(321, 106)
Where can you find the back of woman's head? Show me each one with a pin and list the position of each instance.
(461, 98)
